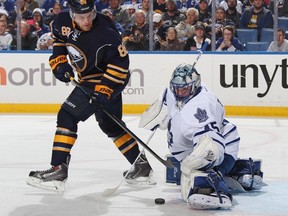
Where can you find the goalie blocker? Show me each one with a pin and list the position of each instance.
(155, 115)
(246, 175)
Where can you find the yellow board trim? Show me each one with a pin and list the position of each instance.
(140, 108)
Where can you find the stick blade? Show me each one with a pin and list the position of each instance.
(168, 163)
(109, 192)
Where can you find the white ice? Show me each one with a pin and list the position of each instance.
(26, 142)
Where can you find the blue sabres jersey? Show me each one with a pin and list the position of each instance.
(97, 55)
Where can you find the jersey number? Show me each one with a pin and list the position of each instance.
(122, 50)
(65, 30)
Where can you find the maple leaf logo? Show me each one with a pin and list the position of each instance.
(201, 115)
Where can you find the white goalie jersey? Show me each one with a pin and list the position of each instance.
(202, 115)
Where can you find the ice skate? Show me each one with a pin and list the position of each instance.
(141, 173)
(210, 192)
(52, 179)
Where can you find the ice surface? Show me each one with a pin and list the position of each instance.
(26, 142)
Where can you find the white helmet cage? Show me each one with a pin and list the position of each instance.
(185, 82)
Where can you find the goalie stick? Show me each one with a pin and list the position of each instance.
(110, 191)
(167, 162)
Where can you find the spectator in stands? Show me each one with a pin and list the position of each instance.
(238, 5)
(51, 14)
(159, 30)
(282, 7)
(32, 4)
(134, 37)
(131, 10)
(49, 4)
(38, 25)
(5, 37)
(172, 16)
(3, 15)
(232, 13)
(7, 5)
(184, 5)
(121, 14)
(220, 22)
(246, 4)
(28, 39)
(172, 43)
(199, 41)
(257, 17)
(145, 8)
(159, 6)
(136, 4)
(25, 13)
(209, 4)
(282, 43)
(101, 5)
(11, 29)
(228, 42)
(203, 10)
(110, 13)
(186, 28)
(45, 42)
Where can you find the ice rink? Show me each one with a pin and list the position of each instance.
(96, 164)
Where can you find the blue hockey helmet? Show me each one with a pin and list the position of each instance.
(185, 82)
(81, 6)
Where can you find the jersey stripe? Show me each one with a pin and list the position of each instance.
(113, 79)
(61, 149)
(123, 139)
(64, 139)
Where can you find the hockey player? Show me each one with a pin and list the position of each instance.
(94, 47)
(202, 140)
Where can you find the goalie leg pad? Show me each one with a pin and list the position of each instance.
(208, 191)
(248, 173)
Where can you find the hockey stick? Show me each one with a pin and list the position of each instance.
(111, 191)
(197, 58)
(167, 162)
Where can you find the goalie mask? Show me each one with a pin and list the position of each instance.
(185, 82)
(81, 7)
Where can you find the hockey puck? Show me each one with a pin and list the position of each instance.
(159, 201)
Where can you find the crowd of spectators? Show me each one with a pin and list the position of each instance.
(177, 24)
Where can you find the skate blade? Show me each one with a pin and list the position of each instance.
(141, 181)
(149, 180)
(201, 201)
(55, 186)
(234, 185)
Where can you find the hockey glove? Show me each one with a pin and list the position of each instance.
(101, 97)
(60, 71)
(99, 100)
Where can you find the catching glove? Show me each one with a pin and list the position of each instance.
(60, 71)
